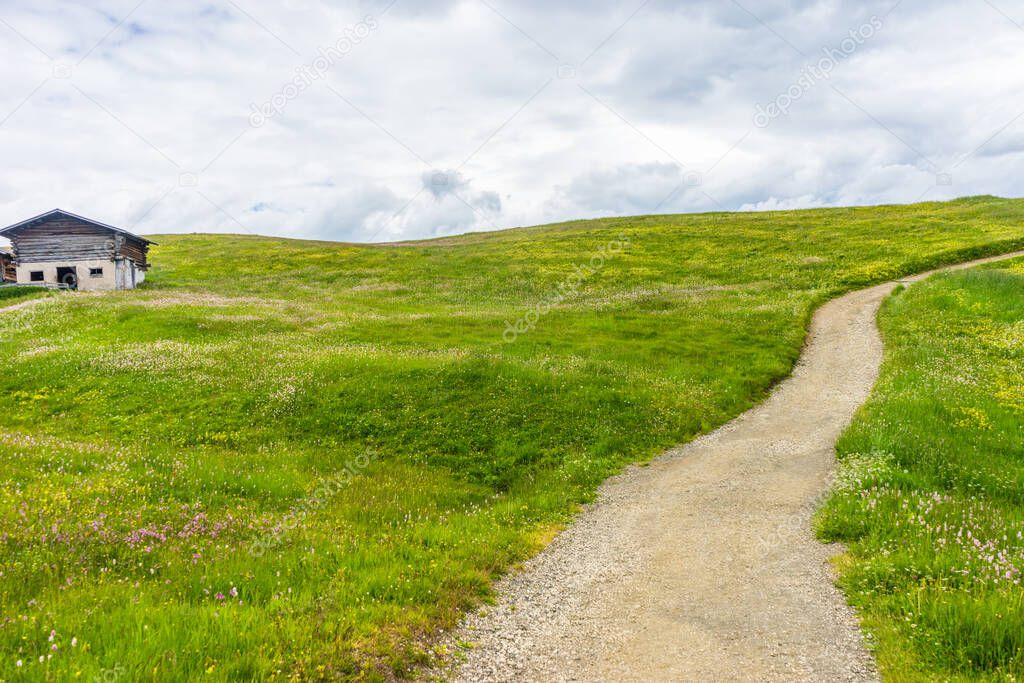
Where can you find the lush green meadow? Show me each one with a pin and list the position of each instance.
(931, 492)
(300, 459)
(13, 295)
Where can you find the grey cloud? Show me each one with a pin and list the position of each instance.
(452, 183)
(443, 183)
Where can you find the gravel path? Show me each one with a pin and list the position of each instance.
(19, 306)
(702, 566)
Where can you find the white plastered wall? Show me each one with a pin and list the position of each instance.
(86, 282)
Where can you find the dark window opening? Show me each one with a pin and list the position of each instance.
(95, 272)
(37, 276)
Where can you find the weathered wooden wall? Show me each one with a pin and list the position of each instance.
(134, 250)
(8, 273)
(69, 239)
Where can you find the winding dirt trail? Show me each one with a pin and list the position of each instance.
(19, 306)
(702, 566)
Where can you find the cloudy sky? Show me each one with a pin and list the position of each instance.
(393, 119)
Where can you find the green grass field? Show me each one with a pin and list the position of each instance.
(301, 459)
(931, 492)
(13, 295)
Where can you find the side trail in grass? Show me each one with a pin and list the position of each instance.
(10, 308)
(703, 565)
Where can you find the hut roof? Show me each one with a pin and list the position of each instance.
(12, 230)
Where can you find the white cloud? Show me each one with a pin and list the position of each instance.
(536, 111)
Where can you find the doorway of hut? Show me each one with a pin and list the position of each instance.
(68, 277)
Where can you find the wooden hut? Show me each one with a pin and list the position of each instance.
(60, 248)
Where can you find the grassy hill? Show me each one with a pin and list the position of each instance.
(285, 458)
